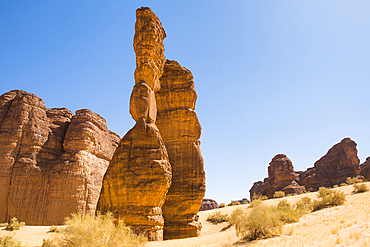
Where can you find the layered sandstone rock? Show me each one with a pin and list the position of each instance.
(282, 177)
(340, 162)
(180, 130)
(51, 161)
(208, 204)
(139, 174)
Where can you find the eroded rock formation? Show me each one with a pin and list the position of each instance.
(139, 175)
(180, 130)
(340, 162)
(208, 204)
(282, 177)
(365, 169)
(51, 161)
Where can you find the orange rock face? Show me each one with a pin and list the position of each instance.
(51, 161)
(180, 129)
(139, 174)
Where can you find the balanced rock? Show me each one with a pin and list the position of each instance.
(180, 129)
(51, 161)
(339, 163)
(208, 204)
(139, 175)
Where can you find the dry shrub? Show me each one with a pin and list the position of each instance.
(96, 231)
(259, 197)
(343, 184)
(353, 180)
(360, 188)
(234, 203)
(329, 198)
(14, 225)
(304, 205)
(217, 218)
(222, 205)
(9, 241)
(279, 194)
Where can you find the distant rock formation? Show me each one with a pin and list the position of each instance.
(281, 178)
(365, 169)
(208, 204)
(52, 162)
(139, 175)
(180, 130)
(340, 162)
(162, 148)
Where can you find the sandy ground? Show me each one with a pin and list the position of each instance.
(346, 225)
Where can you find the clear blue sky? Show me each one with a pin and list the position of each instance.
(272, 77)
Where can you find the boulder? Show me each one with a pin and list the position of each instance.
(365, 169)
(180, 129)
(208, 204)
(51, 161)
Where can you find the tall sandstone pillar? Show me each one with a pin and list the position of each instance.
(139, 175)
(180, 130)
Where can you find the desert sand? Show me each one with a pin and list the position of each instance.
(346, 225)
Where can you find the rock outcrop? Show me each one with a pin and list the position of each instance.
(180, 129)
(52, 162)
(282, 177)
(208, 204)
(139, 176)
(365, 169)
(340, 162)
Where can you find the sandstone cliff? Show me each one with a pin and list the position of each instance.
(208, 204)
(180, 130)
(51, 161)
(365, 169)
(139, 174)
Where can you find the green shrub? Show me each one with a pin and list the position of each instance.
(279, 194)
(343, 184)
(286, 213)
(222, 205)
(217, 218)
(353, 180)
(87, 230)
(234, 203)
(360, 188)
(9, 241)
(329, 198)
(14, 225)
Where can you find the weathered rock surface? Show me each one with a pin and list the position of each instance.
(365, 169)
(340, 162)
(139, 174)
(51, 161)
(208, 204)
(282, 177)
(180, 129)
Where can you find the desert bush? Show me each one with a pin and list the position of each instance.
(93, 231)
(217, 218)
(222, 205)
(255, 203)
(336, 186)
(279, 194)
(343, 184)
(53, 229)
(329, 198)
(234, 203)
(259, 197)
(286, 213)
(9, 241)
(14, 225)
(360, 188)
(353, 180)
(304, 205)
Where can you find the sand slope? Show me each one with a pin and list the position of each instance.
(346, 225)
